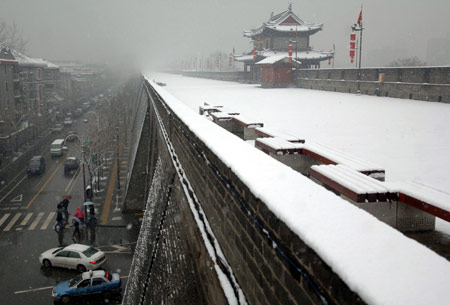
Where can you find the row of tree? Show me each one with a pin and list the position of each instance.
(12, 36)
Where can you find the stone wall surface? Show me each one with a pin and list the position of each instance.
(417, 83)
(427, 83)
(271, 264)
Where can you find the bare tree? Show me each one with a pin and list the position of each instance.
(407, 62)
(12, 36)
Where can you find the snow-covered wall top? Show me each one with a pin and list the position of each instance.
(380, 264)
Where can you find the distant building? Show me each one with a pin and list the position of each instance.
(274, 37)
(10, 98)
(29, 98)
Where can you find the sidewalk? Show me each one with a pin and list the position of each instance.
(112, 197)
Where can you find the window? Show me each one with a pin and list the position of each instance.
(74, 254)
(62, 254)
(84, 283)
(73, 282)
(90, 251)
(98, 281)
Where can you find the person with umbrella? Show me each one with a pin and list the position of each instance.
(76, 224)
(79, 214)
(92, 220)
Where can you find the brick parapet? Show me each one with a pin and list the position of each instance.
(263, 252)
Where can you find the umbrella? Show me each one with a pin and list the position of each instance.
(88, 203)
(76, 219)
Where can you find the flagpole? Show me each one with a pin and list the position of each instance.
(360, 45)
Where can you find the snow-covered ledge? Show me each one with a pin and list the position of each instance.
(377, 262)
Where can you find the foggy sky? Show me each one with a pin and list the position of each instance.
(149, 32)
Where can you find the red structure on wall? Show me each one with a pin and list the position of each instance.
(276, 71)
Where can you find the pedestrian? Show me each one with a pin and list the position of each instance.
(89, 194)
(59, 218)
(76, 226)
(92, 220)
(92, 210)
(79, 214)
(65, 204)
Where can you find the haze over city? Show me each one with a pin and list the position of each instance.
(156, 32)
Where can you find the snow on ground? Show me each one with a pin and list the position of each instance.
(409, 139)
(375, 260)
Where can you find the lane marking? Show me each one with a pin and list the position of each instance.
(12, 222)
(18, 183)
(72, 180)
(46, 182)
(32, 290)
(116, 218)
(18, 198)
(25, 220)
(36, 221)
(47, 221)
(4, 218)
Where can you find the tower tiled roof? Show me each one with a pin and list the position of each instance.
(286, 21)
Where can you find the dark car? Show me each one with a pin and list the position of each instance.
(36, 165)
(71, 163)
(71, 136)
(88, 285)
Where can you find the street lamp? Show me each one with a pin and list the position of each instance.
(82, 158)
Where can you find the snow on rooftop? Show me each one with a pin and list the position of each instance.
(279, 133)
(376, 261)
(437, 197)
(31, 61)
(341, 157)
(351, 179)
(279, 143)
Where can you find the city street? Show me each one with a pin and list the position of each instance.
(27, 219)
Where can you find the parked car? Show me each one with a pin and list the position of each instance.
(36, 165)
(71, 163)
(75, 256)
(88, 285)
(85, 120)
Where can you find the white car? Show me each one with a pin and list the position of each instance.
(75, 256)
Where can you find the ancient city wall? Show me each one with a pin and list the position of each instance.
(417, 83)
(225, 76)
(427, 83)
(271, 264)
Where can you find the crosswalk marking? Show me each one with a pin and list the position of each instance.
(12, 222)
(4, 218)
(25, 220)
(47, 221)
(36, 221)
